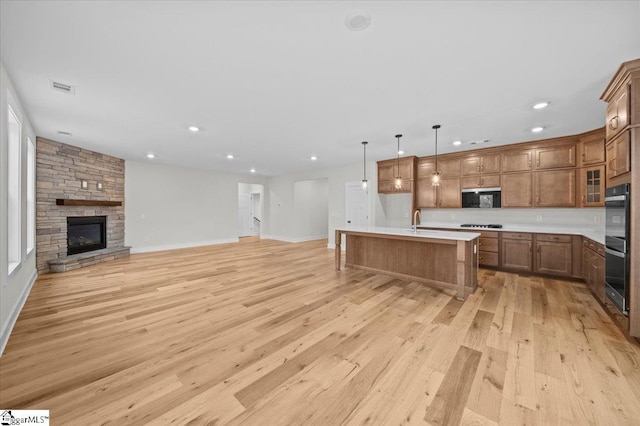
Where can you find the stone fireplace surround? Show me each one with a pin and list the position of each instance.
(60, 170)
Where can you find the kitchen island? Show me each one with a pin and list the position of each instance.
(442, 259)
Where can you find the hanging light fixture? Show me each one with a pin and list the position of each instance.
(398, 179)
(435, 175)
(364, 167)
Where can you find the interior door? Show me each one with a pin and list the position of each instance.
(356, 205)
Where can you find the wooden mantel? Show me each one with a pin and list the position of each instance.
(95, 203)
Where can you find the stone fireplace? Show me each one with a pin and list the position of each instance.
(75, 186)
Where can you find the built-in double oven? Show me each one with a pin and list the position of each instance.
(617, 210)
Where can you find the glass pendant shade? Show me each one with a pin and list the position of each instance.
(398, 180)
(364, 184)
(435, 176)
(364, 166)
(398, 183)
(435, 179)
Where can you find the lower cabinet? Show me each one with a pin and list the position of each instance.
(593, 271)
(517, 251)
(489, 247)
(549, 254)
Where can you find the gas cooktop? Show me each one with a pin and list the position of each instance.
(474, 225)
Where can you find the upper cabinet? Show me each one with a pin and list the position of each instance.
(446, 195)
(389, 170)
(617, 114)
(591, 149)
(618, 158)
(555, 157)
(484, 164)
(517, 160)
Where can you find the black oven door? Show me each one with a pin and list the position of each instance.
(616, 278)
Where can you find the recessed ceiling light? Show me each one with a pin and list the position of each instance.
(400, 152)
(541, 105)
(150, 155)
(253, 170)
(358, 20)
(456, 143)
(314, 158)
(537, 129)
(194, 129)
(230, 156)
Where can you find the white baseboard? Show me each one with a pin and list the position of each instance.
(182, 245)
(13, 317)
(294, 240)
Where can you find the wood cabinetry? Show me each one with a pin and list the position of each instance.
(591, 149)
(517, 251)
(553, 254)
(482, 164)
(488, 181)
(593, 271)
(618, 155)
(446, 195)
(517, 161)
(617, 114)
(388, 170)
(554, 188)
(591, 186)
(489, 249)
(555, 157)
(517, 190)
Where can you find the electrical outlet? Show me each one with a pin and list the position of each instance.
(538, 218)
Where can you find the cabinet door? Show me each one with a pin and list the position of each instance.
(592, 151)
(553, 258)
(617, 114)
(425, 168)
(586, 266)
(449, 168)
(386, 171)
(449, 195)
(490, 181)
(556, 157)
(389, 187)
(555, 188)
(591, 184)
(516, 161)
(490, 164)
(470, 166)
(516, 254)
(618, 158)
(597, 276)
(516, 190)
(426, 194)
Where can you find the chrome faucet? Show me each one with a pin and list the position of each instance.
(417, 214)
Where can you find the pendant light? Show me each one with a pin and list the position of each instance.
(435, 175)
(364, 167)
(398, 179)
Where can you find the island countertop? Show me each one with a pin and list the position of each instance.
(421, 233)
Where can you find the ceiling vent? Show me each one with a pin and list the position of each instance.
(478, 142)
(63, 133)
(64, 88)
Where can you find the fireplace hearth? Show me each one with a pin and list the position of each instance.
(86, 233)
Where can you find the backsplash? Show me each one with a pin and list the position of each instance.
(556, 216)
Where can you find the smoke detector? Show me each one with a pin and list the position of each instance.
(358, 20)
(63, 87)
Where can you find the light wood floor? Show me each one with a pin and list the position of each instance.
(267, 333)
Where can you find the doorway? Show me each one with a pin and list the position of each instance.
(356, 205)
(249, 209)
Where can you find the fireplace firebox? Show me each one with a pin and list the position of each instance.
(86, 233)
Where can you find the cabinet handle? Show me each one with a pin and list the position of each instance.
(529, 247)
(538, 200)
(538, 162)
(482, 168)
(611, 126)
(481, 181)
(538, 248)
(529, 160)
(478, 168)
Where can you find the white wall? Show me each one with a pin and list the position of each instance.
(172, 207)
(14, 288)
(311, 209)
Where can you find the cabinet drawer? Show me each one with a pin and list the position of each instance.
(516, 235)
(554, 238)
(600, 249)
(489, 234)
(488, 258)
(488, 244)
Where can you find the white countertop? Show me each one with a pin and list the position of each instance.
(593, 233)
(422, 233)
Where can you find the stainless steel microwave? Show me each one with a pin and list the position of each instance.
(481, 198)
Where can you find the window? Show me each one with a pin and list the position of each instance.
(31, 195)
(14, 224)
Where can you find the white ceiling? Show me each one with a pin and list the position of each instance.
(276, 82)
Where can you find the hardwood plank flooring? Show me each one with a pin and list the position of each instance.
(267, 333)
